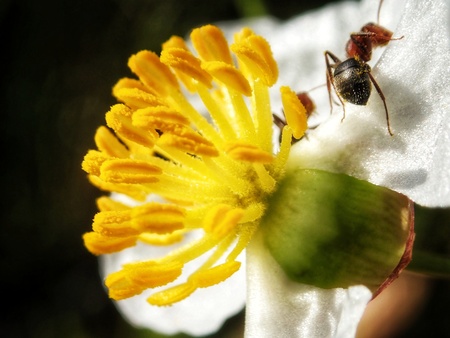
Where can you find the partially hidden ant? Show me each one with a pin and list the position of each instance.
(352, 78)
(310, 108)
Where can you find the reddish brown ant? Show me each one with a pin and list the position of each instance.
(352, 78)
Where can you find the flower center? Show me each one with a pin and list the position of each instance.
(206, 167)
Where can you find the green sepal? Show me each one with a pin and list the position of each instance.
(332, 230)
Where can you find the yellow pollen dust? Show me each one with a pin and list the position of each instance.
(202, 171)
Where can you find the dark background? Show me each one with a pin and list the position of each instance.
(59, 62)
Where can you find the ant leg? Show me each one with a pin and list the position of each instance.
(343, 109)
(332, 56)
(330, 79)
(378, 18)
(279, 122)
(380, 93)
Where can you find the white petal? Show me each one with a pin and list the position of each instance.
(278, 307)
(413, 74)
(202, 313)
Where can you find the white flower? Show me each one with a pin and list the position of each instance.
(413, 73)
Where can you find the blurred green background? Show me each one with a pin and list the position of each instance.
(60, 60)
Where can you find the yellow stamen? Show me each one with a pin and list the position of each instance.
(135, 278)
(210, 174)
(218, 112)
(294, 111)
(136, 98)
(128, 171)
(183, 61)
(248, 152)
(139, 193)
(172, 295)
(127, 83)
(285, 146)
(175, 42)
(159, 117)
(266, 180)
(255, 53)
(245, 125)
(216, 274)
(245, 236)
(203, 279)
(158, 218)
(186, 140)
(153, 73)
(221, 219)
(108, 143)
(114, 224)
(211, 44)
(229, 75)
(161, 240)
(100, 245)
(107, 204)
(123, 126)
(262, 109)
(93, 161)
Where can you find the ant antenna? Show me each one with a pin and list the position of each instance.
(316, 87)
(379, 10)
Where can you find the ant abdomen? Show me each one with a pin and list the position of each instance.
(351, 79)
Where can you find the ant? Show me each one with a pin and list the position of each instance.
(352, 77)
